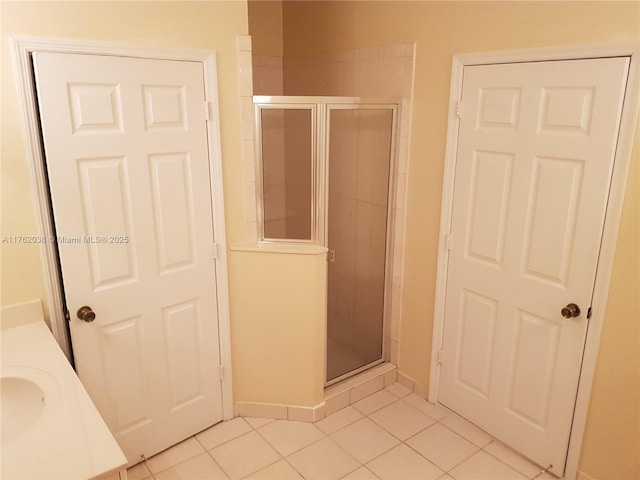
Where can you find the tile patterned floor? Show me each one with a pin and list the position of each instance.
(392, 434)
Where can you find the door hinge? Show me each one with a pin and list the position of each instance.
(221, 369)
(459, 109)
(448, 242)
(440, 357)
(207, 110)
(214, 248)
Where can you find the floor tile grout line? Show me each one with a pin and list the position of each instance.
(210, 450)
(407, 404)
(358, 468)
(431, 461)
(346, 425)
(285, 458)
(198, 440)
(424, 413)
(467, 439)
(480, 448)
(207, 452)
(216, 462)
(262, 468)
(379, 455)
(512, 467)
(333, 441)
(361, 464)
(226, 441)
(448, 472)
(493, 439)
(301, 448)
(148, 461)
(382, 453)
(268, 443)
(411, 407)
(294, 468)
(328, 437)
(394, 436)
(409, 446)
(504, 463)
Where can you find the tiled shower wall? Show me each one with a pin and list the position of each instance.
(268, 75)
(385, 71)
(365, 72)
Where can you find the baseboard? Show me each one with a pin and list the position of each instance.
(413, 385)
(584, 476)
(336, 398)
(280, 411)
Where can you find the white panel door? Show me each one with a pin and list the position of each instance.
(127, 158)
(535, 154)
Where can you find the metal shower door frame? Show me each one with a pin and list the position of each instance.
(321, 108)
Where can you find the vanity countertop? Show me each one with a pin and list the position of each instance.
(56, 432)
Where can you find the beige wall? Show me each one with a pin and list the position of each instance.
(206, 25)
(612, 438)
(278, 327)
(202, 25)
(270, 332)
(440, 30)
(271, 336)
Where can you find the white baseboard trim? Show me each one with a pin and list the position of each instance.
(336, 398)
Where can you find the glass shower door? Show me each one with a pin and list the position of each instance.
(359, 165)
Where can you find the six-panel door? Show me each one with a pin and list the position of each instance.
(127, 159)
(535, 154)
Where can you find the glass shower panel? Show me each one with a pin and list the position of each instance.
(287, 156)
(360, 142)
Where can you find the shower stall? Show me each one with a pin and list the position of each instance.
(326, 175)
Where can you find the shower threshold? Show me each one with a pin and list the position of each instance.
(355, 388)
(355, 374)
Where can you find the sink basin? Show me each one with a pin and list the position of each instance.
(21, 403)
(49, 428)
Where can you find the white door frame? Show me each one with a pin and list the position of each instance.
(22, 48)
(612, 220)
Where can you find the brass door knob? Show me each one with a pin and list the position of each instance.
(86, 314)
(570, 311)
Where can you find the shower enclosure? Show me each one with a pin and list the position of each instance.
(326, 175)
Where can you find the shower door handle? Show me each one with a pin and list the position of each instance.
(331, 256)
